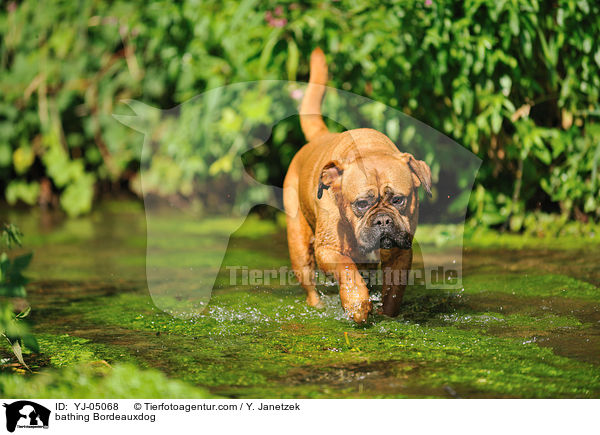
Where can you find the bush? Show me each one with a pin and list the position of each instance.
(515, 82)
(12, 285)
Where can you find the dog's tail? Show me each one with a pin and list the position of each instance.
(311, 119)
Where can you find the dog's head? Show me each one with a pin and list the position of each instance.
(377, 195)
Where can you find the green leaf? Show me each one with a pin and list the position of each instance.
(77, 197)
(23, 158)
(11, 235)
(31, 343)
(19, 190)
(514, 23)
(496, 122)
(24, 313)
(22, 261)
(16, 348)
(267, 51)
(293, 57)
(584, 6)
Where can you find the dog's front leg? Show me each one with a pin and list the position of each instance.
(353, 290)
(395, 265)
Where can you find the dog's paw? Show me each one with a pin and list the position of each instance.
(315, 301)
(360, 317)
(360, 311)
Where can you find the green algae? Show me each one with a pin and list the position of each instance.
(123, 381)
(517, 329)
(75, 367)
(254, 342)
(513, 321)
(548, 285)
(64, 350)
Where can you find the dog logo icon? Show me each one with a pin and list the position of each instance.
(26, 414)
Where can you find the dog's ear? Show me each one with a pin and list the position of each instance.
(420, 172)
(331, 175)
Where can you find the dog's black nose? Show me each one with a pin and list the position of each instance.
(383, 220)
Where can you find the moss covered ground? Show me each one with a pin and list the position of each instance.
(526, 323)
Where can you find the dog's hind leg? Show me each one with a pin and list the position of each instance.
(300, 243)
(300, 237)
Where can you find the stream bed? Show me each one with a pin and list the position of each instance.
(526, 324)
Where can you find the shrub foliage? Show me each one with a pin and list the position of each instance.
(516, 82)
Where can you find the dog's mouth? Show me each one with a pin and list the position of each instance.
(387, 242)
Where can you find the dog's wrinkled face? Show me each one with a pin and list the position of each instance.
(377, 195)
(380, 203)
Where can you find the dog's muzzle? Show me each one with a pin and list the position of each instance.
(384, 234)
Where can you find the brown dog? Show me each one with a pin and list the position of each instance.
(350, 197)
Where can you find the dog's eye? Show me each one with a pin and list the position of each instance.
(399, 200)
(362, 204)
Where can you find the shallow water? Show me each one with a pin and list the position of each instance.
(526, 324)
